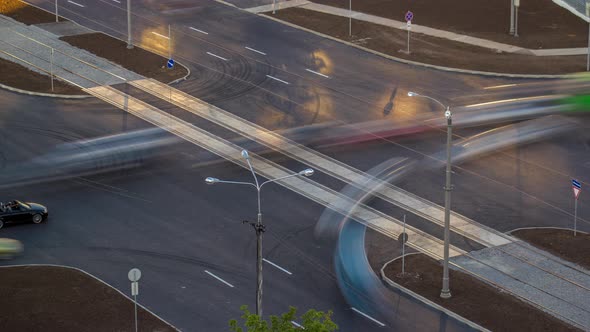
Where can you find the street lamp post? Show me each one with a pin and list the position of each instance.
(258, 226)
(129, 43)
(445, 293)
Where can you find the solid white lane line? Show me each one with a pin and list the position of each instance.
(276, 79)
(253, 50)
(216, 277)
(197, 30)
(217, 56)
(278, 267)
(159, 35)
(367, 316)
(315, 72)
(75, 3)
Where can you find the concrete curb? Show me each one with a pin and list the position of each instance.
(425, 300)
(188, 73)
(419, 64)
(41, 94)
(547, 227)
(102, 281)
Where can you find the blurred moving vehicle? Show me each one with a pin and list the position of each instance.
(10, 248)
(15, 212)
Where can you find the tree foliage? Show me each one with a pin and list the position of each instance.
(311, 321)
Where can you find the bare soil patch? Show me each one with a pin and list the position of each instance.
(541, 23)
(43, 298)
(136, 59)
(472, 299)
(559, 242)
(19, 11)
(20, 77)
(430, 50)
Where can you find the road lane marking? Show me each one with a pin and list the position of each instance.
(367, 316)
(117, 1)
(499, 86)
(297, 325)
(217, 56)
(75, 3)
(216, 277)
(160, 35)
(278, 267)
(315, 72)
(276, 79)
(197, 30)
(253, 50)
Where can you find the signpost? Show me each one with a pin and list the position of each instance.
(134, 275)
(577, 187)
(170, 63)
(409, 16)
(516, 5)
(404, 239)
(588, 56)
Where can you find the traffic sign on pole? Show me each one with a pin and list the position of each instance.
(134, 275)
(409, 15)
(170, 63)
(577, 187)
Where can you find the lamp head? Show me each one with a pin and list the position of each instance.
(307, 172)
(412, 94)
(245, 154)
(211, 180)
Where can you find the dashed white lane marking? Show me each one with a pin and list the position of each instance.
(197, 30)
(75, 3)
(297, 324)
(253, 50)
(276, 79)
(160, 35)
(315, 72)
(278, 267)
(217, 56)
(216, 277)
(367, 316)
(117, 1)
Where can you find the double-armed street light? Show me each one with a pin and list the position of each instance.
(445, 292)
(258, 226)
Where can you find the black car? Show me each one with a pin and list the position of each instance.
(15, 212)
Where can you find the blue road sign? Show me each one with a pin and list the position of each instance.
(409, 16)
(576, 184)
(170, 63)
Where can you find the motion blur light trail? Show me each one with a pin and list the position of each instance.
(356, 279)
(93, 156)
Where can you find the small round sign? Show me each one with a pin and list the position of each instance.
(402, 238)
(170, 63)
(409, 16)
(134, 274)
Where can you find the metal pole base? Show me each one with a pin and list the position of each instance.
(445, 294)
(129, 46)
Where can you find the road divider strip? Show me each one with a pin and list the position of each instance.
(390, 193)
(314, 191)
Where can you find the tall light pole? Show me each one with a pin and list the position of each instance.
(350, 18)
(129, 44)
(445, 293)
(258, 226)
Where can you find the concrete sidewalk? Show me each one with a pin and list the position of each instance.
(479, 42)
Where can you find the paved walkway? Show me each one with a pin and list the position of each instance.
(557, 286)
(421, 29)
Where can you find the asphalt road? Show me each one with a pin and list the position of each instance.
(149, 218)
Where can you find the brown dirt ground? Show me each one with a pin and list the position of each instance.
(431, 50)
(40, 298)
(136, 59)
(20, 77)
(474, 300)
(559, 242)
(26, 14)
(541, 23)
